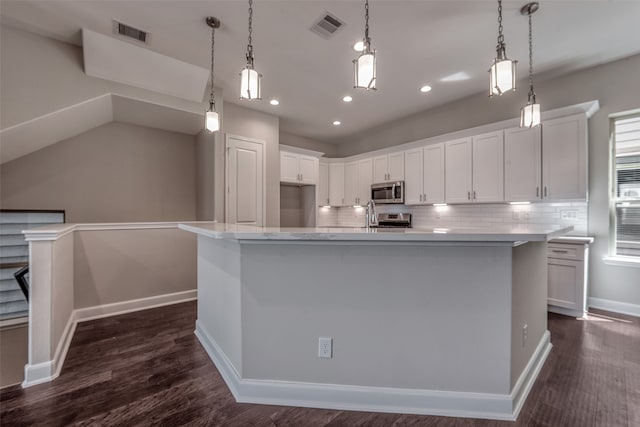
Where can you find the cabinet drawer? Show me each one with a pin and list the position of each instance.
(565, 251)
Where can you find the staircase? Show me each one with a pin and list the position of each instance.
(14, 254)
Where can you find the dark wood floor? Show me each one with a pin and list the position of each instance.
(148, 368)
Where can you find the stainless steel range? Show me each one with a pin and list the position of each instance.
(394, 220)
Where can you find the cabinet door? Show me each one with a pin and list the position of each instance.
(336, 184)
(522, 164)
(458, 171)
(308, 169)
(433, 173)
(395, 166)
(351, 183)
(323, 184)
(365, 179)
(413, 177)
(488, 167)
(566, 283)
(564, 158)
(289, 167)
(380, 169)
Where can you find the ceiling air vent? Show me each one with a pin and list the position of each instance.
(326, 25)
(130, 32)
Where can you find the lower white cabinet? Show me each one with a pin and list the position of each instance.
(567, 267)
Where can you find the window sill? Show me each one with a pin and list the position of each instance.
(16, 322)
(624, 261)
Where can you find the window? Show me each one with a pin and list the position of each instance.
(626, 197)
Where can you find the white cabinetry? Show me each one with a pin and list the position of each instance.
(323, 184)
(567, 274)
(522, 164)
(298, 168)
(336, 184)
(389, 167)
(474, 170)
(564, 158)
(424, 175)
(358, 177)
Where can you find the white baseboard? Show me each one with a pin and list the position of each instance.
(615, 306)
(565, 311)
(377, 399)
(50, 370)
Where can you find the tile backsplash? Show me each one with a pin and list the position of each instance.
(485, 215)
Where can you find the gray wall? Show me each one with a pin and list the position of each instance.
(114, 173)
(329, 150)
(614, 84)
(241, 121)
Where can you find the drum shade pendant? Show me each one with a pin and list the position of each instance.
(365, 64)
(250, 79)
(212, 118)
(530, 113)
(502, 74)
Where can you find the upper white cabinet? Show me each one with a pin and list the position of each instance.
(458, 173)
(388, 167)
(298, 168)
(336, 184)
(323, 184)
(488, 167)
(424, 175)
(564, 158)
(358, 177)
(474, 169)
(522, 164)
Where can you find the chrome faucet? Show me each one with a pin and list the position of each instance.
(371, 217)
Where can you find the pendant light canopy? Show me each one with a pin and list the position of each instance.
(250, 79)
(365, 64)
(530, 113)
(212, 118)
(503, 71)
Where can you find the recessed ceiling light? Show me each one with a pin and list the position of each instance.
(337, 123)
(347, 98)
(425, 89)
(359, 46)
(274, 102)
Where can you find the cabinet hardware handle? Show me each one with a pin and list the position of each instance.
(474, 194)
(558, 251)
(545, 191)
(421, 197)
(537, 191)
(468, 195)
(424, 197)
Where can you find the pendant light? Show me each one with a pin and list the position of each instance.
(212, 118)
(530, 113)
(250, 78)
(502, 75)
(365, 64)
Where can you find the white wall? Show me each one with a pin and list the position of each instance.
(614, 84)
(242, 121)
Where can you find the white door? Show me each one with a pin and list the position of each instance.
(522, 164)
(365, 179)
(245, 181)
(458, 171)
(351, 183)
(380, 169)
(396, 166)
(308, 169)
(289, 167)
(413, 177)
(488, 167)
(336, 184)
(433, 174)
(323, 184)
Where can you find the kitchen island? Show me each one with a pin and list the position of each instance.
(440, 321)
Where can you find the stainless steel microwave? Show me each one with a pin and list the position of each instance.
(388, 192)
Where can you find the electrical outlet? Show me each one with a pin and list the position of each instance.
(568, 214)
(525, 335)
(325, 347)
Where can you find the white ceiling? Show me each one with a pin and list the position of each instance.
(418, 42)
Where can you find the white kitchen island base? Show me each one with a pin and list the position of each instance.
(418, 325)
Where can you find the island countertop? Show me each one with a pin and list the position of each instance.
(507, 233)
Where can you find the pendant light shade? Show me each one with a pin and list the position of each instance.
(250, 79)
(212, 118)
(502, 74)
(530, 113)
(365, 64)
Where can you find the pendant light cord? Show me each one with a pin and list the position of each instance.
(500, 36)
(212, 102)
(531, 92)
(250, 45)
(367, 40)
